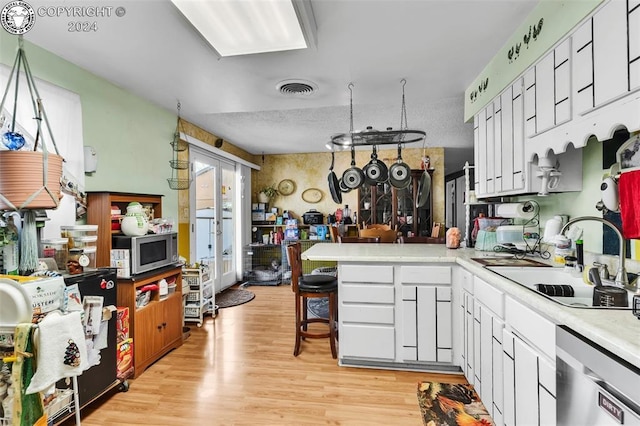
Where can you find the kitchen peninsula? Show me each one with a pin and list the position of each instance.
(423, 306)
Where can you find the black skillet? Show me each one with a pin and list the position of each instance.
(334, 185)
(353, 177)
(424, 187)
(400, 172)
(375, 171)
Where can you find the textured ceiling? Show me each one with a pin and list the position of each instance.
(438, 46)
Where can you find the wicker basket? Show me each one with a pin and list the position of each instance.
(22, 175)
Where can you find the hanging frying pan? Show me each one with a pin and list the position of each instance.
(375, 171)
(353, 177)
(400, 172)
(424, 188)
(334, 185)
(342, 187)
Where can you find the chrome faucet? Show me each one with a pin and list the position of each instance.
(621, 279)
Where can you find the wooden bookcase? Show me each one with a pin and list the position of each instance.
(99, 213)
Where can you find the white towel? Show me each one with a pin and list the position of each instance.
(58, 336)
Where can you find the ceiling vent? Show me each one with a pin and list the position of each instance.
(296, 88)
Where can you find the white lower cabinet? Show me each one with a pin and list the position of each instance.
(426, 333)
(529, 367)
(367, 312)
(488, 313)
(395, 314)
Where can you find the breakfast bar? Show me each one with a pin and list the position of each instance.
(615, 330)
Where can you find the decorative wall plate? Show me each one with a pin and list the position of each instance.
(312, 195)
(286, 187)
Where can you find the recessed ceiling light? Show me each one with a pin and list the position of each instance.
(234, 27)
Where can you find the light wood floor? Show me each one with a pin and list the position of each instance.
(239, 369)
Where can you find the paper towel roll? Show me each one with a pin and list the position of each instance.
(517, 210)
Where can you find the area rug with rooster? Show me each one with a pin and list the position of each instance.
(451, 405)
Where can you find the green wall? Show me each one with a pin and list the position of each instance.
(130, 135)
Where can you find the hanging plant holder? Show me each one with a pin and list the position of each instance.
(177, 181)
(29, 177)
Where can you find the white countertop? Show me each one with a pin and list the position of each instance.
(615, 330)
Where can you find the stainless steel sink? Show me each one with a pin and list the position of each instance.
(531, 276)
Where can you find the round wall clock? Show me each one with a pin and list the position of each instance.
(286, 187)
(312, 195)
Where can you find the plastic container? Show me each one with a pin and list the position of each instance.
(83, 242)
(90, 252)
(563, 249)
(79, 231)
(58, 249)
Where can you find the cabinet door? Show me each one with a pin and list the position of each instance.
(468, 333)
(490, 146)
(477, 346)
(562, 82)
(476, 153)
(497, 371)
(610, 64)
(582, 73)
(530, 102)
(149, 336)
(171, 319)
(527, 405)
(498, 153)
(508, 379)
(634, 45)
(506, 139)
(481, 164)
(544, 89)
(518, 134)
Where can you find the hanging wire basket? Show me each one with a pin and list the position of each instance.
(179, 164)
(179, 145)
(177, 183)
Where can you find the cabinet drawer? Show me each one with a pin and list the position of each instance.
(371, 314)
(425, 274)
(360, 341)
(362, 293)
(532, 326)
(489, 296)
(366, 274)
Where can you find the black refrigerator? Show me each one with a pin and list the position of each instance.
(101, 377)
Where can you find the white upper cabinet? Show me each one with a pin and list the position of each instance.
(634, 44)
(606, 51)
(547, 91)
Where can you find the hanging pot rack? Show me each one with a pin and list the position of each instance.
(370, 137)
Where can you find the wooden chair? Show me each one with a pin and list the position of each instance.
(386, 236)
(358, 239)
(382, 226)
(421, 240)
(307, 287)
(334, 233)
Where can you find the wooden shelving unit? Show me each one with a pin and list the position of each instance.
(99, 213)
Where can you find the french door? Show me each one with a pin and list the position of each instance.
(212, 198)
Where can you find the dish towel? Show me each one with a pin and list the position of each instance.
(60, 350)
(629, 190)
(27, 409)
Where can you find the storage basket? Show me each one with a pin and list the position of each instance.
(193, 296)
(192, 280)
(175, 183)
(22, 176)
(192, 311)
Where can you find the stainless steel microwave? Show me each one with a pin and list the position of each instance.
(146, 253)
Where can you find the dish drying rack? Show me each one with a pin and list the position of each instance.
(533, 246)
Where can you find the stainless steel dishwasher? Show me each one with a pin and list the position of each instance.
(594, 386)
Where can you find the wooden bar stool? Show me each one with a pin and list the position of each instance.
(307, 287)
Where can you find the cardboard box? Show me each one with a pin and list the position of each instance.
(290, 234)
(122, 324)
(271, 217)
(258, 215)
(124, 354)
